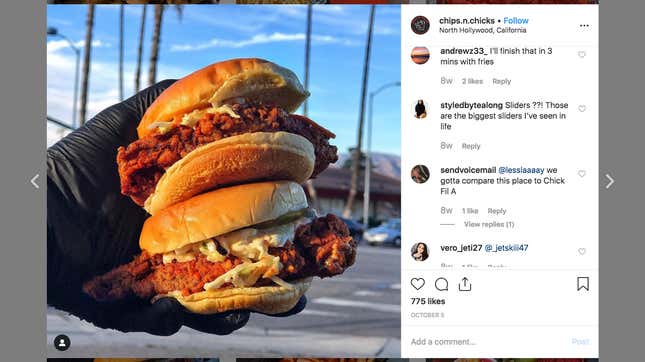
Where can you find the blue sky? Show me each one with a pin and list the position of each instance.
(207, 34)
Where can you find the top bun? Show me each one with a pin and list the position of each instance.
(251, 78)
(219, 212)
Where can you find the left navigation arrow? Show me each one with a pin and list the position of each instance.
(33, 181)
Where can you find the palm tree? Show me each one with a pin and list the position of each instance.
(180, 11)
(307, 52)
(356, 154)
(311, 190)
(156, 39)
(154, 50)
(89, 26)
(121, 52)
(142, 29)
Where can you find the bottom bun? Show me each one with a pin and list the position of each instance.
(272, 299)
(234, 160)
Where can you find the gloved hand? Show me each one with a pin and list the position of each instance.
(92, 228)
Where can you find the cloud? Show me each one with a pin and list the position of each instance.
(261, 39)
(254, 19)
(351, 19)
(56, 45)
(385, 30)
(300, 11)
(103, 82)
(318, 90)
(333, 9)
(58, 21)
(296, 11)
(341, 19)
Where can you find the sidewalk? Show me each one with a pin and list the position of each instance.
(87, 341)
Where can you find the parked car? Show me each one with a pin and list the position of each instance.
(388, 233)
(356, 229)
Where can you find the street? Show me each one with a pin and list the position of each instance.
(356, 314)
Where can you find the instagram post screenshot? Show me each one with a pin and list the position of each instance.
(322, 181)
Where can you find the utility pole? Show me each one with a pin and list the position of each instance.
(368, 153)
(121, 52)
(154, 52)
(89, 26)
(311, 190)
(137, 72)
(356, 157)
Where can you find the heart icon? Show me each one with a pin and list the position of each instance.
(582, 251)
(582, 173)
(582, 108)
(417, 283)
(582, 54)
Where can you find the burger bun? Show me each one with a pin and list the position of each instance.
(271, 299)
(251, 78)
(219, 212)
(248, 157)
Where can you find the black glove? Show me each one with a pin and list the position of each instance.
(92, 228)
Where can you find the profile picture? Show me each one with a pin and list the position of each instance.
(420, 109)
(420, 55)
(420, 25)
(420, 251)
(420, 174)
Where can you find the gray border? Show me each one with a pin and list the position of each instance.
(22, 213)
(622, 151)
(22, 206)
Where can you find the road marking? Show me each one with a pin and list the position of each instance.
(351, 279)
(323, 313)
(367, 293)
(378, 250)
(381, 307)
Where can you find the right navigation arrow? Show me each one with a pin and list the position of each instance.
(611, 181)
